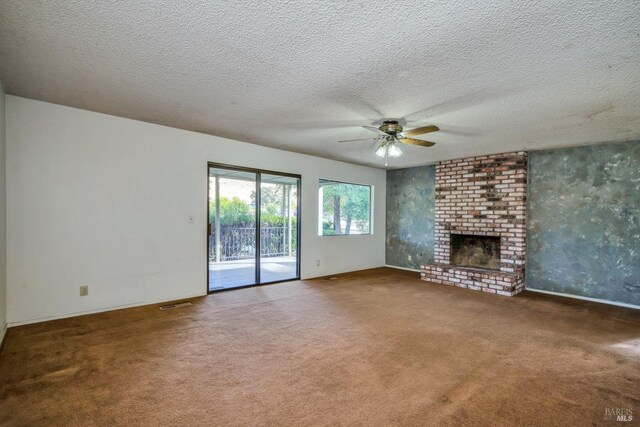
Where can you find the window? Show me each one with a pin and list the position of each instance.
(344, 208)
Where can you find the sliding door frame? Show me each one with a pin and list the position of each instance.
(259, 173)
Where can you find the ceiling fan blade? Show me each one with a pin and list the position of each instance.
(419, 142)
(420, 131)
(354, 140)
(373, 129)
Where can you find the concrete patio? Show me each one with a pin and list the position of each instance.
(232, 274)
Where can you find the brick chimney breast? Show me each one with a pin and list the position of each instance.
(481, 196)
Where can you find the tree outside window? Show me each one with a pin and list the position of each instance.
(345, 208)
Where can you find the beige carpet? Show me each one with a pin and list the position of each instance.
(378, 347)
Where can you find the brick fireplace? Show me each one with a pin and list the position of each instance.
(480, 229)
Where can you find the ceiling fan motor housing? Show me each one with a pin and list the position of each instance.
(390, 127)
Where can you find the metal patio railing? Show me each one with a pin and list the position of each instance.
(239, 243)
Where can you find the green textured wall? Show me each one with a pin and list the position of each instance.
(410, 216)
(584, 222)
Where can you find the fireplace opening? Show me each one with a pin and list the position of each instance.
(475, 251)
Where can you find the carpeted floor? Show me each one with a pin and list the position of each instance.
(378, 347)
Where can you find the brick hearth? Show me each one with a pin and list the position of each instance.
(482, 196)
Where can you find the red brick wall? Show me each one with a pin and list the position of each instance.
(484, 195)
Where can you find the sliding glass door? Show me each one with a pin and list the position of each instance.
(278, 227)
(253, 229)
(232, 228)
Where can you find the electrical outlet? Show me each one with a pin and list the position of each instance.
(408, 257)
(84, 291)
(317, 263)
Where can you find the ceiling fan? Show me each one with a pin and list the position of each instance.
(391, 133)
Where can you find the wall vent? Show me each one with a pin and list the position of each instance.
(172, 306)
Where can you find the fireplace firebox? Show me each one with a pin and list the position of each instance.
(475, 251)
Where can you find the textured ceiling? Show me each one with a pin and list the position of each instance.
(301, 75)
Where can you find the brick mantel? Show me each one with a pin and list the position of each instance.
(484, 196)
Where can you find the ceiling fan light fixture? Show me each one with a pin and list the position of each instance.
(394, 150)
(388, 149)
(381, 151)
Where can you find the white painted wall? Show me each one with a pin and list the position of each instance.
(3, 223)
(104, 201)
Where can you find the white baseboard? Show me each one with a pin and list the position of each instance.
(3, 333)
(402, 268)
(601, 301)
(98, 310)
(559, 294)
